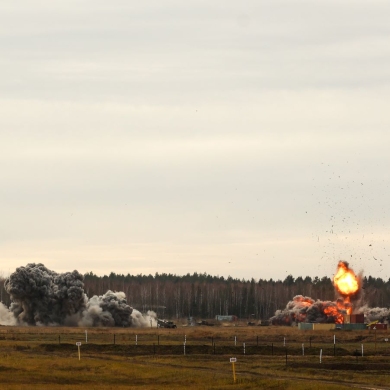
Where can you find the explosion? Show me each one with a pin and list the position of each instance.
(345, 280)
(305, 309)
(40, 296)
(346, 284)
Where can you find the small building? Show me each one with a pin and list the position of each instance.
(226, 318)
(354, 319)
(322, 326)
(350, 326)
(377, 326)
(305, 326)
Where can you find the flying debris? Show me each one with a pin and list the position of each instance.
(40, 296)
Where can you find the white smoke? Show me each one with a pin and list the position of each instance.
(6, 317)
(144, 321)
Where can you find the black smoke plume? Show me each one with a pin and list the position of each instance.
(40, 296)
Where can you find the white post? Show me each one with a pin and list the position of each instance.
(235, 341)
(321, 356)
(244, 348)
(334, 339)
(86, 337)
(185, 338)
(136, 339)
(303, 349)
(284, 341)
(362, 350)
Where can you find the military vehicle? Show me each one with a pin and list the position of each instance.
(165, 324)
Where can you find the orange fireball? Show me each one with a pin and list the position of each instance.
(345, 280)
(334, 311)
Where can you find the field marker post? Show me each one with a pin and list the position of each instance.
(284, 341)
(334, 345)
(136, 339)
(321, 356)
(184, 345)
(362, 350)
(303, 349)
(78, 347)
(233, 361)
(86, 337)
(244, 347)
(235, 341)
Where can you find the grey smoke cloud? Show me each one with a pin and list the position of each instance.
(375, 313)
(306, 309)
(41, 296)
(109, 309)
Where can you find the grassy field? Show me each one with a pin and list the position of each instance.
(272, 358)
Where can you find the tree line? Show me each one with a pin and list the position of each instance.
(204, 296)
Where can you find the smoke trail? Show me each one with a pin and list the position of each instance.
(40, 296)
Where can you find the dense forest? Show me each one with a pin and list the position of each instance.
(204, 296)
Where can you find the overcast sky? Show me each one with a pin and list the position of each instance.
(242, 138)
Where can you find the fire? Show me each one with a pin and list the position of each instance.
(345, 280)
(348, 305)
(305, 309)
(333, 310)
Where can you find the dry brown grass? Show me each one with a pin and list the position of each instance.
(33, 358)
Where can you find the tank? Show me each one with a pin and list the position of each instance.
(165, 324)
